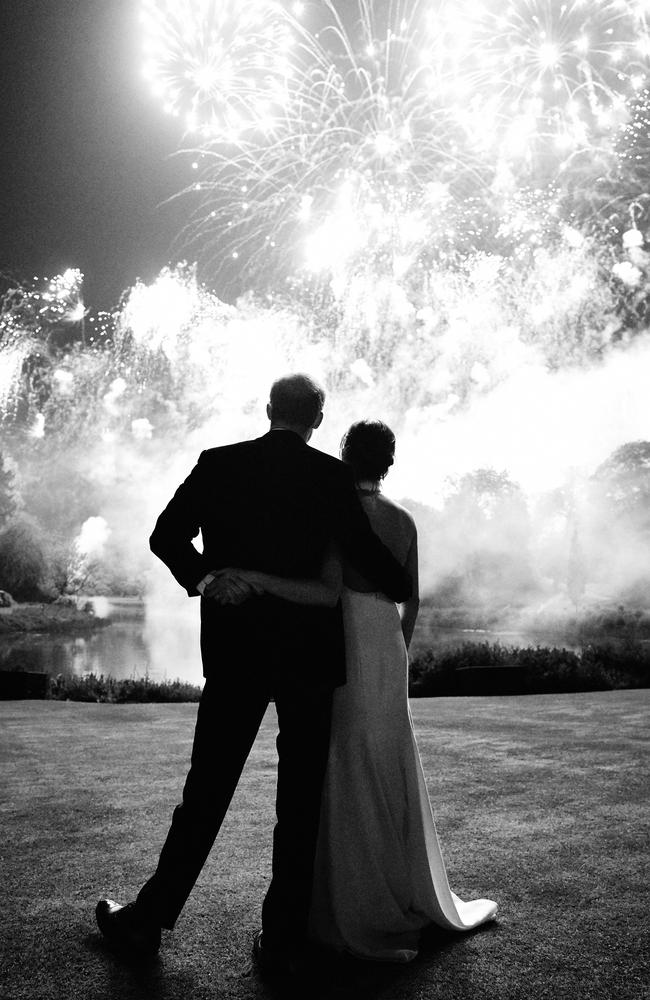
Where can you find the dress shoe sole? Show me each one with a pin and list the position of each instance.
(127, 939)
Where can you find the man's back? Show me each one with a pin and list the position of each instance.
(272, 504)
(269, 505)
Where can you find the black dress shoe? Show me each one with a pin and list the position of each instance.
(126, 929)
(272, 962)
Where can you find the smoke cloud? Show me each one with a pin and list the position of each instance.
(500, 431)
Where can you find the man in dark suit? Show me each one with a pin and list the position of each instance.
(277, 506)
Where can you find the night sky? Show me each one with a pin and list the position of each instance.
(86, 151)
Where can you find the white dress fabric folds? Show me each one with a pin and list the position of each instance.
(380, 876)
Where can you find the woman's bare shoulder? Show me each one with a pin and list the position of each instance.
(397, 512)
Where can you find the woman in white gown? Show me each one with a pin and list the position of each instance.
(379, 877)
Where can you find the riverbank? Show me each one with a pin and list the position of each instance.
(55, 618)
(147, 656)
(473, 669)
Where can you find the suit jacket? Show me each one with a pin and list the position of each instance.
(273, 504)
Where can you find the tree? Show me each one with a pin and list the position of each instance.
(487, 521)
(41, 324)
(622, 483)
(23, 564)
(8, 504)
(486, 495)
(620, 499)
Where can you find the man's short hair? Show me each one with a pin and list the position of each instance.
(296, 400)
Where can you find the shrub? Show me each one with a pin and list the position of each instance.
(539, 670)
(92, 687)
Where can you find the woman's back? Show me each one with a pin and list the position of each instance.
(379, 873)
(396, 528)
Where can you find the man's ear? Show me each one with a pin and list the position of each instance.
(319, 420)
(268, 410)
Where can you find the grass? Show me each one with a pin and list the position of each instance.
(539, 801)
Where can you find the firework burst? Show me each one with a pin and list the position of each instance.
(550, 70)
(344, 126)
(356, 134)
(222, 67)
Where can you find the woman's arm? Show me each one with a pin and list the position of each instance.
(323, 591)
(409, 609)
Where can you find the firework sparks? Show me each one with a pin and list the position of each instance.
(394, 110)
(220, 66)
(556, 70)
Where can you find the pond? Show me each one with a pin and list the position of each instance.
(135, 643)
(164, 645)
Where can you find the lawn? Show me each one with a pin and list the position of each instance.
(540, 803)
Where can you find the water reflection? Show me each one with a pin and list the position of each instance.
(134, 644)
(162, 642)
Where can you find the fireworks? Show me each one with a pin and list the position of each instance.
(326, 130)
(220, 65)
(555, 70)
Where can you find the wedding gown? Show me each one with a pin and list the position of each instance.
(380, 876)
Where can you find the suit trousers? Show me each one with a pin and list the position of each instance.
(228, 719)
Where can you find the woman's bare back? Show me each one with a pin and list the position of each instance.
(396, 528)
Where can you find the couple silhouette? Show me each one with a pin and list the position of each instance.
(308, 581)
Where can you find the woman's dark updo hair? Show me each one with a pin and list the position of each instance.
(369, 447)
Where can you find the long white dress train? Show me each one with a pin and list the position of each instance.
(380, 876)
